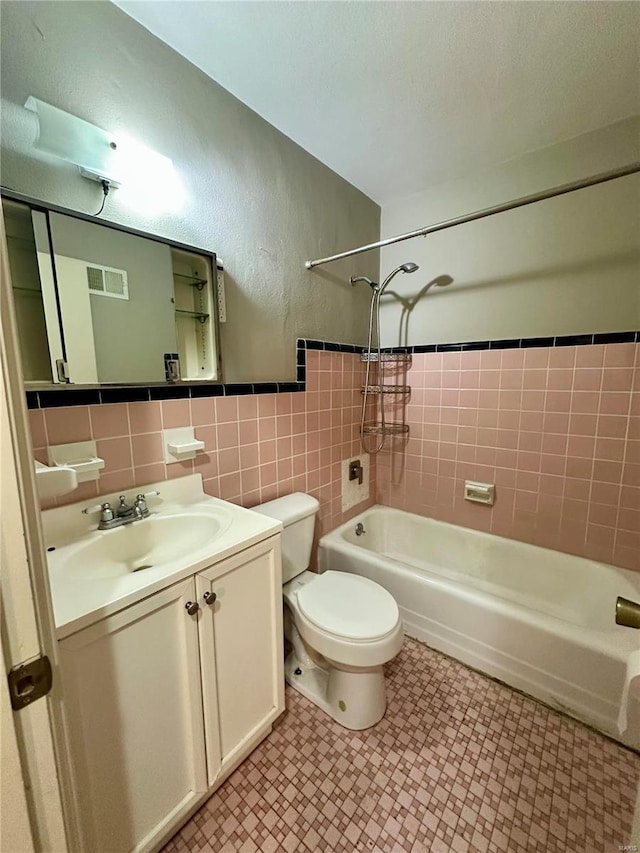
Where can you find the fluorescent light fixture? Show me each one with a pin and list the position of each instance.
(148, 180)
(72, 139)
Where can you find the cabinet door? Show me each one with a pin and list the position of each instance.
(241, 649)
(134, 708)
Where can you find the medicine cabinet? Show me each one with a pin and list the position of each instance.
(100, 304)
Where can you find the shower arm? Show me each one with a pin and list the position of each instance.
(600, 178)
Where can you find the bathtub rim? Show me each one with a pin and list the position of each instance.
(617, 642)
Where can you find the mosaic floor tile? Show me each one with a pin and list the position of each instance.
(459, 763)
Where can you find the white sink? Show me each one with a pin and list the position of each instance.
(140, 545)
(94, 573)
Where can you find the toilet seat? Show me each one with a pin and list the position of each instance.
(384, 639)
(349, 607)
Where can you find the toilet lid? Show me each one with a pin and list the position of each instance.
(348, 606)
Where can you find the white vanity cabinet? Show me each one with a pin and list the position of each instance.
(163, 703)
(134, 706)
(240, 652)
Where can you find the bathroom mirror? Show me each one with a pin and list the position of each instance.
(99, 304)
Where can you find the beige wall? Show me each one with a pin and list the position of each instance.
(253, 196)
(568, 265)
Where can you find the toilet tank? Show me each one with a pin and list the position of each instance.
(297, 513)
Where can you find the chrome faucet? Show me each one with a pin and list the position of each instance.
(124, 514)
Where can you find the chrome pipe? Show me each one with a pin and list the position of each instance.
(601, 178)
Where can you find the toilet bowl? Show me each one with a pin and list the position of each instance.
(342, 628)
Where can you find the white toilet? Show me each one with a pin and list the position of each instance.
(342, 627)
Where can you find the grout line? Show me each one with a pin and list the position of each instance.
(624, 458)
(593, 461)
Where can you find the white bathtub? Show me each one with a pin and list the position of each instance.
(537, 619)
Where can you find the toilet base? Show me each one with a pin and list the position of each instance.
(354, 698)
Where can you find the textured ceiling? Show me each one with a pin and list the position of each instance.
(395, 96)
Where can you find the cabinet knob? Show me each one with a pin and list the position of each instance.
(210, 597)
(192, 607)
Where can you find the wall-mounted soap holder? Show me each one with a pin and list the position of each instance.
(180, 444)
(480, 493)
(51, 482)
(82, 456)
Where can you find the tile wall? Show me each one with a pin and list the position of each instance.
(258, 446)
(556, 428)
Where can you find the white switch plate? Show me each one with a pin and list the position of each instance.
(352, 492)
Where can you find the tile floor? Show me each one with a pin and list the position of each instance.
(459, 763)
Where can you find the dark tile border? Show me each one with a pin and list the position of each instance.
(617, 338)
(124, 395)
(524, 343)
(327, 346)
(56, 399)
(169, 392)
(198, 391)
(95, 396)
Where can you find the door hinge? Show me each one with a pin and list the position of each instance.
(29, 681)
(63, 370)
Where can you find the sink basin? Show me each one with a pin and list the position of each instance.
(95, 573)
(142, 545)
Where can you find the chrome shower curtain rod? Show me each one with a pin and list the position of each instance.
(488, 211)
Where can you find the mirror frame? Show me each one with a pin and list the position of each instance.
(64, 388)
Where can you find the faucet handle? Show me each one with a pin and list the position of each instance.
(140, 504)
(106, 513)
(142, 497)
(356, 471)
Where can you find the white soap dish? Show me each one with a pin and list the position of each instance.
(187, 448)
(81, 456)
(180, 444)
(55, 481)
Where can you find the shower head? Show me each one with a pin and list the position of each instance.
(408, 267)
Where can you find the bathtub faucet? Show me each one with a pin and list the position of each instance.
(360, 529)
(627, 612)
